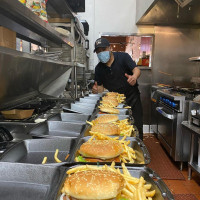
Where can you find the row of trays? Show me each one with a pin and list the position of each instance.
(22, 176)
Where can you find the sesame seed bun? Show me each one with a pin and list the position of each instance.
(112, 94)
(103, 149)
(113, 102)
(109, 110)
(106, 129)
(94, 184)
(106, 119)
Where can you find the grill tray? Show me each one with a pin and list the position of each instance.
(142, 153)
(57, 129)
(21, 182)
(70, 117)
(162, 191)
(34, 150)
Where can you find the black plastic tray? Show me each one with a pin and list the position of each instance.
(57, 129)
(162, 191)
(70, 117)
(29, 182)
(142, 153)
(33, 151)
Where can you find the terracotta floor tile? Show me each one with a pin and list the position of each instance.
(177, 187)
(197, 196)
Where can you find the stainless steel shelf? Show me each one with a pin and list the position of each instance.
(80, 65)
(28, 25)
(195, 59)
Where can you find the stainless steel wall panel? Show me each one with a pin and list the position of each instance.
(173, 47)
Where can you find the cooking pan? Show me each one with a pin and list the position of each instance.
(33, 151)
(142, 154)
(162, 191)
(17, 113)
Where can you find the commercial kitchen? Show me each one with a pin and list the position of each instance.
(47, 108)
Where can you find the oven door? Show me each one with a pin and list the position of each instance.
(166, 126)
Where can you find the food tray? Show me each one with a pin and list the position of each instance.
(57, 129)
(88, 100)
(142, 153)
(122, 111)
(70, 117)
(86, 105)
(33, 151)
(74, 108)
(162, 191)
(88, 129)
(17, 113)
(25, 181)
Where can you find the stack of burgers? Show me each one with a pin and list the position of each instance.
(110, 102)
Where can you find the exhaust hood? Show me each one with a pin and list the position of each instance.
(172, 13)
(183, 3)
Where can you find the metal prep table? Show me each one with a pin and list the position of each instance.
(194, 160)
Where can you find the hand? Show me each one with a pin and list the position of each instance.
(131, 79)
(94, 88)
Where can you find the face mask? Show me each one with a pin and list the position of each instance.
(104, 56)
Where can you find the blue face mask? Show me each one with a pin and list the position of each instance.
(104, 56)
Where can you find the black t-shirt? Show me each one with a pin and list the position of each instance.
(113, 78)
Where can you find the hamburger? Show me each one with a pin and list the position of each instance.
(110, 103)
(109, 110)
(106, 129)
(93, 184)
(113, 94)
(106, 119)
(100, 151)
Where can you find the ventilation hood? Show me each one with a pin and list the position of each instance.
(172, 13)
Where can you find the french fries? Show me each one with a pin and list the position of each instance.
(56, 156)
(135, 188)
(44, 160)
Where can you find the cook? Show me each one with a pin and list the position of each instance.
(117, 72)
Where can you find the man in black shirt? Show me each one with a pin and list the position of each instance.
(117, 72)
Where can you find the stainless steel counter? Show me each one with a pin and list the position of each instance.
(191, 127)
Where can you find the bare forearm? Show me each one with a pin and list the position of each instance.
(136, 72)
(100, 88)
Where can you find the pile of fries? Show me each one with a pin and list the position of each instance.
(135, 188)
(128, 155)
(125, 128)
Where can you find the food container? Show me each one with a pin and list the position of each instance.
(57, 129)
(88, 100)
(26, 181)
(70, 117)
(33, 151)
(142, 154)
(75, 108)
(162, 191)
(17, 113)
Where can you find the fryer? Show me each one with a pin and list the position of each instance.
(70, 117)
(26, 181)
(142, 154)
(33, 151)
(162, 191)
(57, 129)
